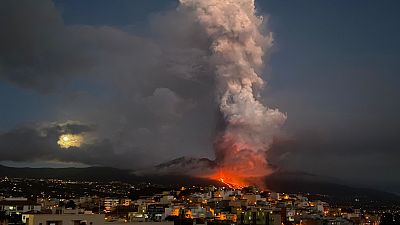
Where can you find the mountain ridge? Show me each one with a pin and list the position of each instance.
(280, 181)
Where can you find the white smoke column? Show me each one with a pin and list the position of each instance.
(237, 51)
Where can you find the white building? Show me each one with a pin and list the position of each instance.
(63, 219)
(18, 206)
(110, 204)
(198, 212)
(167, 199)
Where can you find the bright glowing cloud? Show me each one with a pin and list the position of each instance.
(70, 140)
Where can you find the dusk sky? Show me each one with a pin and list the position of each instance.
(128, 77)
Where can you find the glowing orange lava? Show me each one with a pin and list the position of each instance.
(239, 164)
(229, 179)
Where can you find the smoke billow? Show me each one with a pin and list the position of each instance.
(237, 50)
(161, 89)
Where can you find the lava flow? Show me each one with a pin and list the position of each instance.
(228, 179)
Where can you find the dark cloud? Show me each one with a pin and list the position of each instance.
(75, 127)
(38, 142)
(36, 49)
(363, 162)
(147, 97)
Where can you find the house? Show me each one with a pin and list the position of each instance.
(77, 218)
(18, 206)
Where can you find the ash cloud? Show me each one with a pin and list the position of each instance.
(155, 97)
(237, 48)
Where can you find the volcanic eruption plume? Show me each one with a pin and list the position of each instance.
(237, 49)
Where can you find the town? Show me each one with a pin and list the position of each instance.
(61, 202)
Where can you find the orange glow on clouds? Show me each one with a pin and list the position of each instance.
(239, 164)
